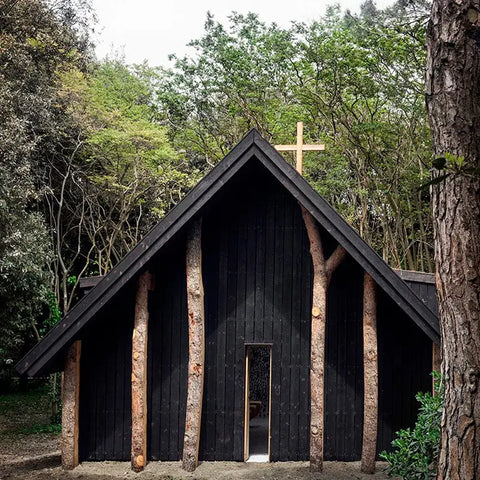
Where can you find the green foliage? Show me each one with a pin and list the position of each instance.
(50, 428)
(37, 41)
(54, 313)
(130, 174)
(32, 398)
(356, 81)
(449, 162)
(55, 397)
(414, 454)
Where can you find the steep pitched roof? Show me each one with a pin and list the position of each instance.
(42, 356)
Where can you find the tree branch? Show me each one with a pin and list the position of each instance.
(334, 261)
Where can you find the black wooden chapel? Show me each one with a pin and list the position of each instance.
(257, 277)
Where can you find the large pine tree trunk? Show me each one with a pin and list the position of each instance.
(453, 101)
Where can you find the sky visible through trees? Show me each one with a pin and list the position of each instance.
(157, 29)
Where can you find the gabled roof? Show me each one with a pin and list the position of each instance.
(42, 356)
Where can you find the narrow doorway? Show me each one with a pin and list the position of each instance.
(257, 403)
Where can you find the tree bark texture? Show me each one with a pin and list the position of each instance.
(70, 407)
(196, 349)
(322, 272)
(139, 374)
(436, 364)
(453, 101)
(370, 375)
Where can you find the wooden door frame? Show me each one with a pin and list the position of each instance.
(246, 419)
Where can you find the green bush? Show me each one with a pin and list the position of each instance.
(414, 455)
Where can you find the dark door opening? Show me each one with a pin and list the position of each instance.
(257, 403)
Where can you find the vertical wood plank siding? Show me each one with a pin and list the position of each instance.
(105, 377)
(256, 270)
(404, 366)
(258, 273)
(427, 292)
(344, 365)
(168, 356)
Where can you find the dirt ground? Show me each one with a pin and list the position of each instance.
(47, 467)
(27, 455)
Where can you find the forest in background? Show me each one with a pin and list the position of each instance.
(94, 152)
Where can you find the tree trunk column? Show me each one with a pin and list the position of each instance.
(70, 406)
(139, 374)
(317, 376)
(322, 274)
(370, 375)
(317, 345)
(196, 349)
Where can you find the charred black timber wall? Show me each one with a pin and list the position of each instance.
(344, 365)
(258, 274)
(423, 284)
(167, 356)
(257, 277)
(405, 364)
(105, 383)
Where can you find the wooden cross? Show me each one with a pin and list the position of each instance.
(299, 148)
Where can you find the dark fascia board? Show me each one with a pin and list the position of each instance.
(252, 145)
(418, 277)
(89, 282)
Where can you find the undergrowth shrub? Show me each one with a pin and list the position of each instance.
(414, 454)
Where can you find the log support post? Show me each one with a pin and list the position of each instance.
(196, 349)
(139, 373)
(70, 407)
(322, 274)
(370, 375)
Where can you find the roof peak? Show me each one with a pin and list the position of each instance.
(43, 356)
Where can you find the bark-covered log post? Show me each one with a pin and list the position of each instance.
(452, 95)
(370, 375)
(70, 406)
(322, 274)
(139, 373)
(196, 349)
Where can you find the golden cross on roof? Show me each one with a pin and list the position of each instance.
(299, 148)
